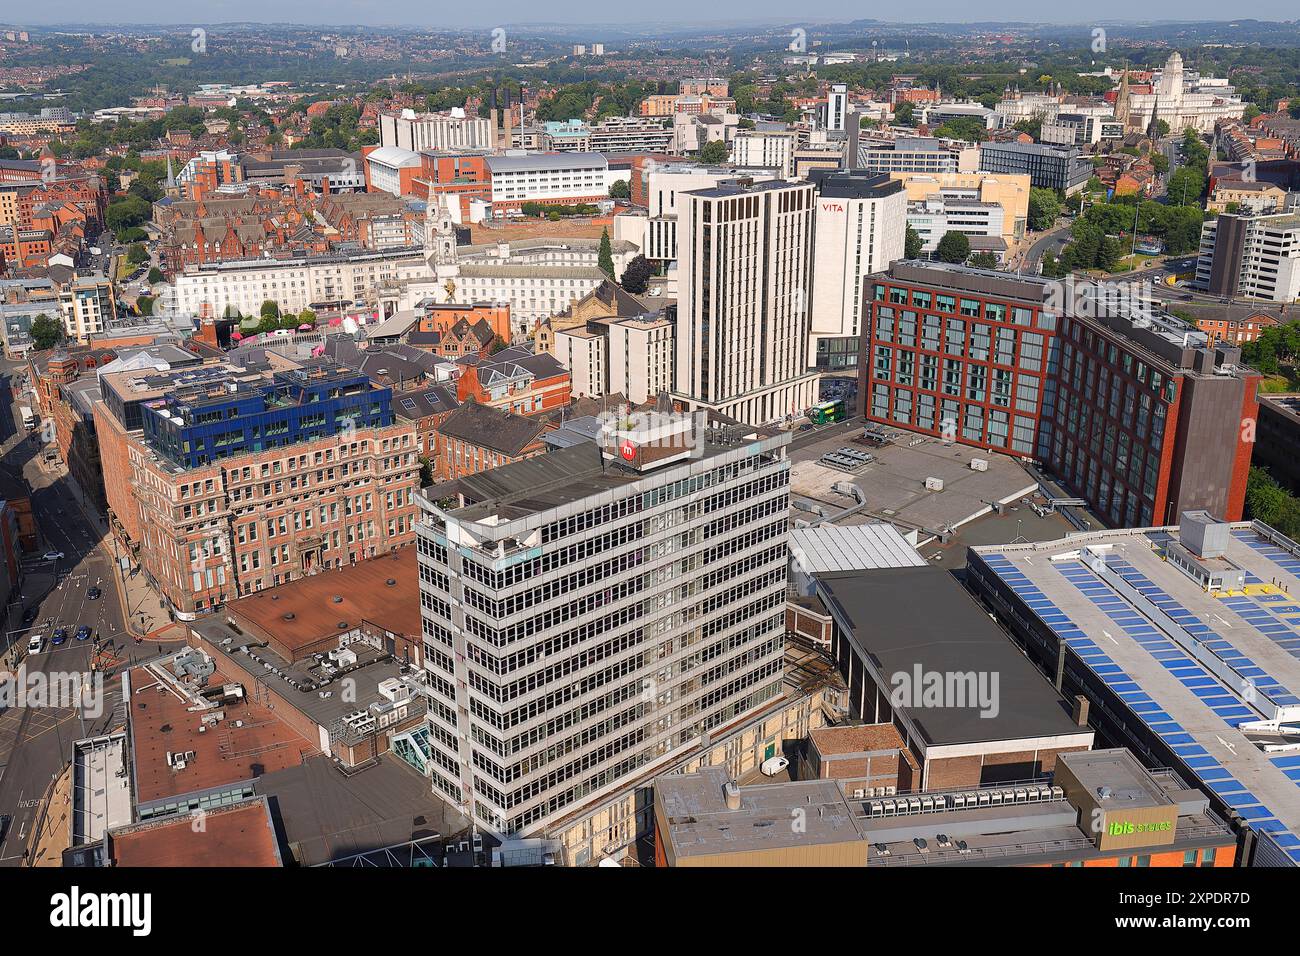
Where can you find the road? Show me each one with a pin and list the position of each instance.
(36, 741)
(1053, 240)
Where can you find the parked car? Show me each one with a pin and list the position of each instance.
(52, 556)
(774, 765)
(35, 643)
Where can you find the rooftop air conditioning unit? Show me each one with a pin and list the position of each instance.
(934, 484)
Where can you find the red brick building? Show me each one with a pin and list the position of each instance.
(1122, 412)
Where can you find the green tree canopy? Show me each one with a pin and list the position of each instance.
(605, 257)
(912, 244)
(1044, 208)
(46, 332)
(637, 275)
(713, 153)
(953, 247)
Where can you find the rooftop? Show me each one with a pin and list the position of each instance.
(298, 614)
(879, 611)
(1202, 670)
(239, 835)
(248, 741)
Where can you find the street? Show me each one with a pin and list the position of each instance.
(36, 741)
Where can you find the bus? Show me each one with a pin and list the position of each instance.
(824, 413)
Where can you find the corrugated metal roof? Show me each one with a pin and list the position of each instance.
(852, 548)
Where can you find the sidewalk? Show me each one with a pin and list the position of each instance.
(142, 609)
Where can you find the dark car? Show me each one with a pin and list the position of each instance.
(94, 594)
(4, 826)
(83, 632)
(59, 636)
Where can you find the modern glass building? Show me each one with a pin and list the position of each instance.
(210, 415)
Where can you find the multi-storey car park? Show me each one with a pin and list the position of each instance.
(598, 611)
(1186, 640)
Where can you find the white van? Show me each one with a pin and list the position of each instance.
(35, 643)
(774, 765)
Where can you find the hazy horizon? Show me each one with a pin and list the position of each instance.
(680, 13)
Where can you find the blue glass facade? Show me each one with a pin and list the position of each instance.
(200, 424)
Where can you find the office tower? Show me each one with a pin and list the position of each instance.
(744, 252)
(599, 610)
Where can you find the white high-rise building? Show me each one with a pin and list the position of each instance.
(837, 108)
(591, 615)
(765, 149)
(453, 130)
(860, 228)
(1253, 257)
(744, 259)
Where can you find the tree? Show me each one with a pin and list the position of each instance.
(637, 275)
(621, 189)
(903, 114)
(1162, 128)
(270, 310)
(971, 129)
(953, 247)
(137, 254)
(1160, 163)
(1044, 208)
(713, 153)
(1186, 184)
(46, 332)
(155, 275)
(983, 260)
(912, 244)
(605, 258)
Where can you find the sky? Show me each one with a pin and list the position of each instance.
(433, 13)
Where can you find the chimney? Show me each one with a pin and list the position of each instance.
(1080, 710)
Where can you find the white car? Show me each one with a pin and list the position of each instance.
(35, 643)
(52, 556)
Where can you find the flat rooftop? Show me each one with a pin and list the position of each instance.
(327, 816)
(894, 482)
(238, 835)
(384, 590)
(1134, 646)
(101, 793)
(952, 635)
(248, 741)
(701, 824)
(317, 694)
(564, 476)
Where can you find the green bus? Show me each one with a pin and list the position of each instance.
(824, 413)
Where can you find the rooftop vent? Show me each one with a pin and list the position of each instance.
(343, 625)
(290, 616)
(391, 582)
(337, 599)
